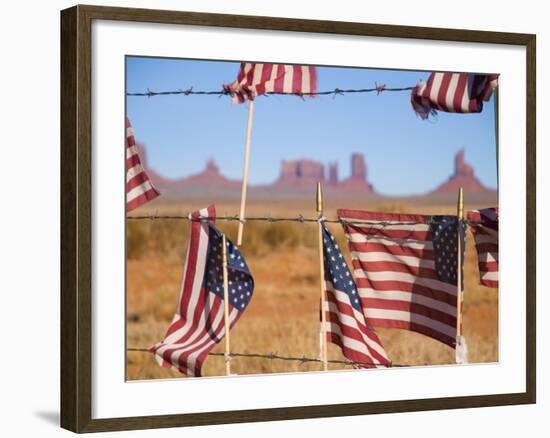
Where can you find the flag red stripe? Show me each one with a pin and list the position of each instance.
(395, 267)
(459, 94)
(132, 161)
(297, 86)
(412, 307)
(419, 328)
(312, 79)
(379, 231)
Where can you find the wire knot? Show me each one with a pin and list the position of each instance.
(188, 91)
(336, 92)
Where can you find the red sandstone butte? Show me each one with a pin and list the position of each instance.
(302, 176)
(358, 180)
(463, 176)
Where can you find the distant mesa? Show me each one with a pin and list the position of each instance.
(304, 174)
(301, 176)
(464, 177)
(209, 177)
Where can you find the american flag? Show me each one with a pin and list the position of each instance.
(484, 226)
(345, 322)
(452, 92)
(257, 79)
(406, 270)
(139, 189)
(198, 324)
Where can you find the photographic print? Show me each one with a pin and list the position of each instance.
(304, 219)
(287, 218)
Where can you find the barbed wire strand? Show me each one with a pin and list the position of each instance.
(270, 218)
(275, 356)
(226, 92)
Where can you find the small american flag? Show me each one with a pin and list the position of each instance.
(484, 226)
(453, 93)
(406, 270)
(198, 324)
(139, 189)
(257, 79)
(345, 322)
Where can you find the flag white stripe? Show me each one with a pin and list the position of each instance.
(288, 79)
(138, 190)
(488, 257)
(386, 226)
(134, 171)
(306, 88)
(415, 262)
(451, 91)
(493, 276)
(257, 76)
(394, 295)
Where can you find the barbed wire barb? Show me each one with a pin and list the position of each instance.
(224, 92)
(269, 218)
(276, 356)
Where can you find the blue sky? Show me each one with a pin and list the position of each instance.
(405, 155)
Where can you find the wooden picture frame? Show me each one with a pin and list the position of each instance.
(76, 217)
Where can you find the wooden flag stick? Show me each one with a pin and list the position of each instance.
(245, 172)
(322, 332)
(226, 307)
(460, 217)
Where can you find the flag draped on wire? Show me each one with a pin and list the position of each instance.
(198, 324)
(345, 321)
(406, 270)
(484, 226)
(139, 189)
(453, 93)
(256, 79)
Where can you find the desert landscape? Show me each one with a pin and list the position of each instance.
(283, 316)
